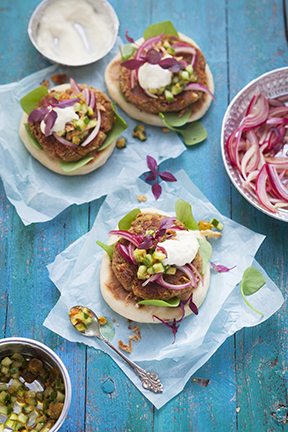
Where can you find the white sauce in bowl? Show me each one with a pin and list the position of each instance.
(73, 32)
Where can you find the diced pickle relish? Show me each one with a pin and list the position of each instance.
(151, 262)
(31, 394)
(80, 317)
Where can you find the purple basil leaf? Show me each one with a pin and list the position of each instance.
(49, 121)
(128, 38)
(172, 326)
(169, 62)
(153, 56)
(67, 103)
(151, 177)
(219, 268)
(193, 306)
(49, 101)
(156, 190)
(147, 243)
(37, 115)
(132, 64)
(152, 164)
(167, 222)
(167, 176)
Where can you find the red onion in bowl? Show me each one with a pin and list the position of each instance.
(263, 170)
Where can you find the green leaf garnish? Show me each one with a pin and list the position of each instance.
(72, 166)
(33, 140)
(174, 120)
(127, 51)
(205, 251)
(163, 27)
(107, 248)
(184, 214)
(31, 100)
(174, 302)
(126, 221)
(118, 127)
(191, 133)
(252, 281)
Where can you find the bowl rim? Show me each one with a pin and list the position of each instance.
(44, 3)
(67, 382)
(224, 157)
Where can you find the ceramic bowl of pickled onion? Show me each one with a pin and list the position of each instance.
(254, 143)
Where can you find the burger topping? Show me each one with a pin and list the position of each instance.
(64, 115)
(181, 249)
(153, 77)
(160, 68)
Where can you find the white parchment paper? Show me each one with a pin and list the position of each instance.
(75, 272)
(38, 194)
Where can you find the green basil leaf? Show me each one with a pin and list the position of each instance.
(191, 133)
(119, 126)
(252, 281)
(184, 214)
(126, 221)
(174, 302)
(31, 100)
(127, 51)
(72, 166)
(107, 248)
(205, 251)
(163, 27)
(174, 120)
(33, 140)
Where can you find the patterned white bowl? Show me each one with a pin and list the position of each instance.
(271, 84)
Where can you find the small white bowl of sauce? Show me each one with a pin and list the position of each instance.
(73, 32)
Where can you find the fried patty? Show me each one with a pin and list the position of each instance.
(142, 101)
(126, 273)
(57, 150)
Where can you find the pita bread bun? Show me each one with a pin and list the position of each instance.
(112, 74)
(53, 164)
(120, 301)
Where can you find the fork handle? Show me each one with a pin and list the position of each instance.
(150, 380)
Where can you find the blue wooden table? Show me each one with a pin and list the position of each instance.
(247, 391)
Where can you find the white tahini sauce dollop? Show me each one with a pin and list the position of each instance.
(73, 32)
(153, 76)
(182, 248)
(64, 115)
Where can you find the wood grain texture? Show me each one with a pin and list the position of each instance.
(261, 352)
(241, 39)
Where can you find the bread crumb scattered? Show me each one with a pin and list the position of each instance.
(124, 347)
(141, 198)
(165, 130)
(102, 320)
(237, 410)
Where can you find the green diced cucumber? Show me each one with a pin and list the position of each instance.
(170, 271)
(6, 361)
(168, 96)
(158, 268)
(218, 225)
(142, 272)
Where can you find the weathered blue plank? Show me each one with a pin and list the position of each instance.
(200, 408)
(256, 45)
(125, 409)
(31, 249)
